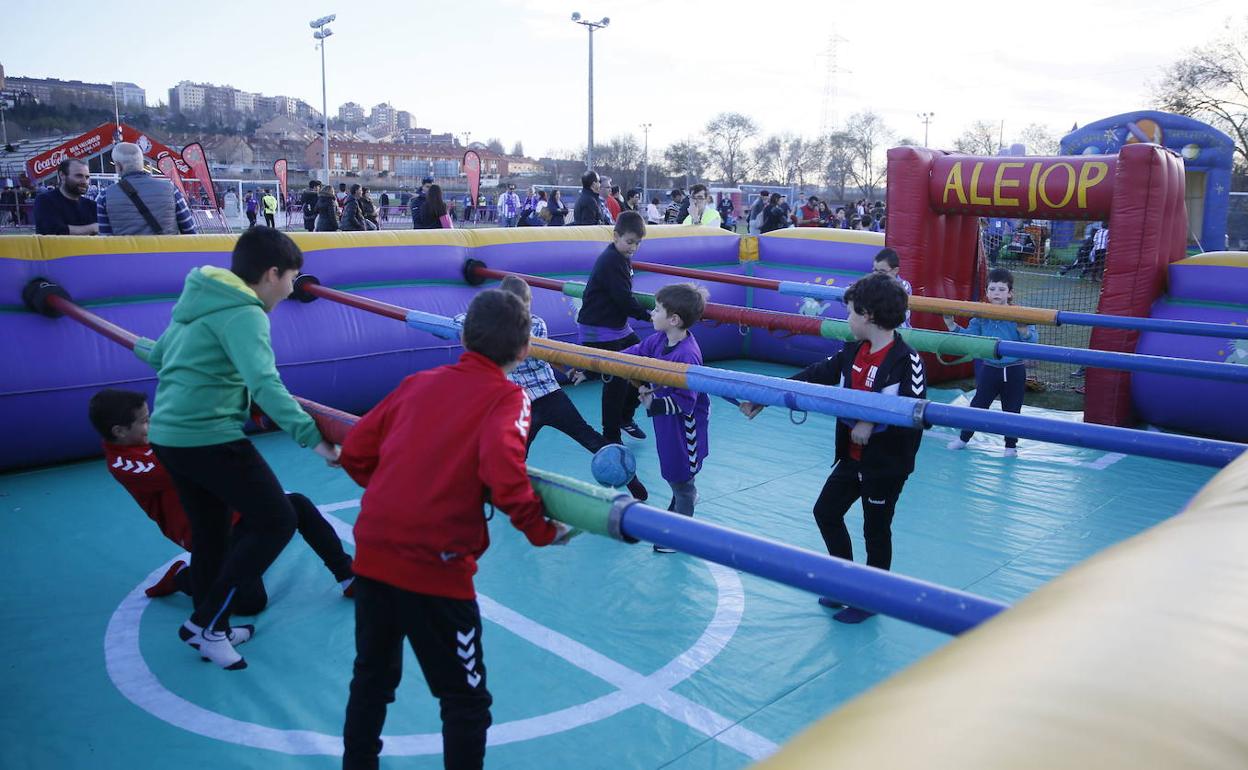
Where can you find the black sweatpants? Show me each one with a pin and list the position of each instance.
(315, 531)
(213, 481)
(619, 397)
(557, 410)
(268, 219)
(445, 634)
(1009, 383)
(879, 500)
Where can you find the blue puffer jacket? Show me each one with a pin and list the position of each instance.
(1002, 330)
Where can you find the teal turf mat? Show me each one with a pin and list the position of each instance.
(599, 655)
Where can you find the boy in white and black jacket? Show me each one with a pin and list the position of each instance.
(872, 461)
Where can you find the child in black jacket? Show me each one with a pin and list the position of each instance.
(602, 323)
(872, 462)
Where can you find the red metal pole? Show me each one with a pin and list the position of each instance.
(707, 275)
(92, 321)
(355, 300)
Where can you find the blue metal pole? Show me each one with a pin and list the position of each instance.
(1163, 446)
(905, 598)
(1166, 325)
(1131, 362)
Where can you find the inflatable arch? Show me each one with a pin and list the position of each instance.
(935, 199)
(1207, 157)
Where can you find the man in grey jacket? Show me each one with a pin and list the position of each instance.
(141, 204)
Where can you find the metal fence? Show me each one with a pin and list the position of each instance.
(1050, 276)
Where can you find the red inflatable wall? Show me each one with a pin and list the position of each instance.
(935, 199)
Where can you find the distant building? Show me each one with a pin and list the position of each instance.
(383, 118)
(285, 128)
(437, 160)
(54, 91)
(130, 95)
(403, 120)
(351, 113)
(220, 101)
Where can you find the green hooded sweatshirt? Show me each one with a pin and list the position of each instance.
(215, 352)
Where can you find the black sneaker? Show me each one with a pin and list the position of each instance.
(634, 430)
(830, 603)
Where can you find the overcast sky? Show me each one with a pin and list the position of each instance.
(516, 69)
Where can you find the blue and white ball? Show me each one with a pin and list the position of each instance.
(613, 466)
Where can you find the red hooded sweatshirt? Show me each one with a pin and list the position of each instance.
(429, 456)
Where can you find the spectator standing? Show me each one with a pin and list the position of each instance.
(352, 218)
(615, 204)
(141, 204)
(808, 213)
(418, 199)
(509, 207)
(558, 211)
(590, 210)
(269, 203)
(250, 207)
(369, 210)
(383, 206)
(756, 212)
(307, 202)
(672, 215)
(433, 215)
(66, 210)
(326, 210)
(774, 217)
(653, 217)
(701, 212)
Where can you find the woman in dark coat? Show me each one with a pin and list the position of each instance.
(326, 210)
(352, 215)
(558, 211)
(433, 214)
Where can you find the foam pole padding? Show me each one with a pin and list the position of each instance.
(925, 604)
(1130, 362)
(1165, 325)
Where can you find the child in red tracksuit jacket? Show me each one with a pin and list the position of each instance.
(422, 528)
(121, 418)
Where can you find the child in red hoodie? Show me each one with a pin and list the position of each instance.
(422, 528)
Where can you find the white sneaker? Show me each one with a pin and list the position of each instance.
(957, 443)
(215, 645)
(1011, 451)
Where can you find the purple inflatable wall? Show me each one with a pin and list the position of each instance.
(1213, 288)
(327, 352)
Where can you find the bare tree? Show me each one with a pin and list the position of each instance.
(868, 139)
(980, 139)
(687, 158)
(1039, 140)
(517, 149)
(1211, 84)
(727, 135)
(838, 157)
(494, 144)
(767, 165)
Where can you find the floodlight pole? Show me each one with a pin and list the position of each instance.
(591, 26)
(926, 117)
(645, 161)
(320, 34)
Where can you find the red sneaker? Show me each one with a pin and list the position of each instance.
(166, 585)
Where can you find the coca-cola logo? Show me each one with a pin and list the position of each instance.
(45, 165)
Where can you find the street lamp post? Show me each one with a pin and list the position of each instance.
(591, 26)
(926, 117)
(645, 161)
(320, 34)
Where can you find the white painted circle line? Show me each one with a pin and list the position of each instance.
(132, 677)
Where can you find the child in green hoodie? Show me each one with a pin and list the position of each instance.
(212, 361)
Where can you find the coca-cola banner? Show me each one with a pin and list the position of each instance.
(194, 156)
(169, 169)
(472, 167)
(279, 168)
(96, 141)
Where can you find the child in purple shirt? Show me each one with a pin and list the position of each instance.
(680, 416)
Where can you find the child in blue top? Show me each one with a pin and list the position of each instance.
(1006, 377)
(888, 262)
(680, 415)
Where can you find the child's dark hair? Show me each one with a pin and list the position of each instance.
(686, 300)
(630, 223)
(1001, 275)
(496, 326)
(888, 255)
(880, 298)
(261, 248)
(111, 407)
(515, 285)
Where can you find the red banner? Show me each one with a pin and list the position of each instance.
(170, 170)
(194, 156)
(1066, 187)
(279, 168)
(94, 142)
(472, 167)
